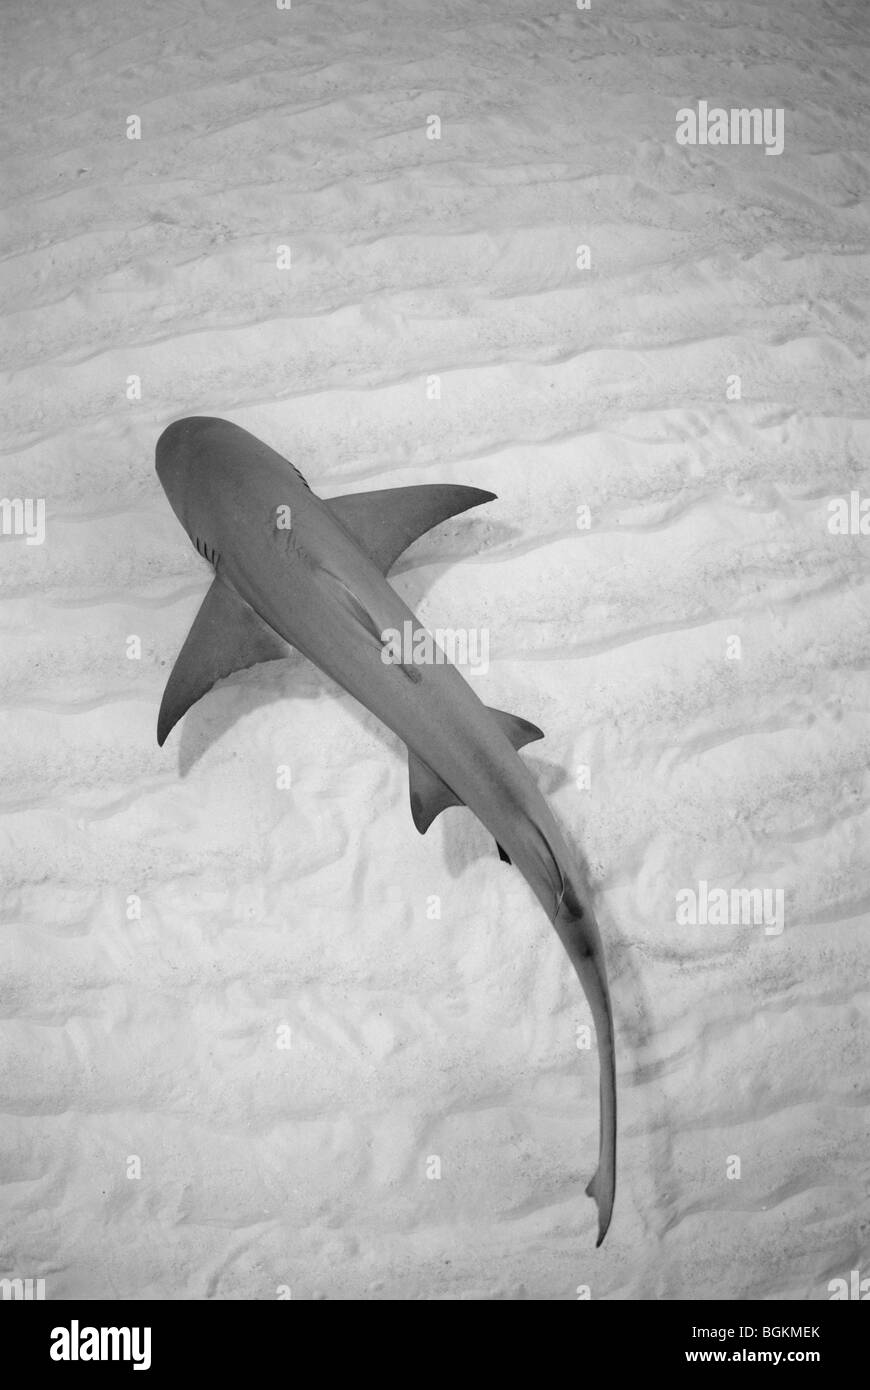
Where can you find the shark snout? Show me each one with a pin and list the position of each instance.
(183, 453)
(178, 443)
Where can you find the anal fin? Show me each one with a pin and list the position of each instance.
(429, 795)
(226, 636)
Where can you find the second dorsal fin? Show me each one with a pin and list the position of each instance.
(519, 731)
(387, 521)
(430, 795)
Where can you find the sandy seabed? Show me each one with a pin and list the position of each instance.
(419, 266)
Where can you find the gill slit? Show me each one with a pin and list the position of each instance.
(207, 553)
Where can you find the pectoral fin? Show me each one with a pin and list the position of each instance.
(429, 795)
(386, 522)
(227, 635)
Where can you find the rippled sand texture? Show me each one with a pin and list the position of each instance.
(413, 1037)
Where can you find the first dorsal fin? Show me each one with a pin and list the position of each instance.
(429, 795)
(387, 521)
(227, 635)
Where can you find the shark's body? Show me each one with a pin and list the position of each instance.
(319, 584)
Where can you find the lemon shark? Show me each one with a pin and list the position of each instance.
(292, 568)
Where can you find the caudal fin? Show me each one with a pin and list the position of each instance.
(602, 1188)
(579, 934)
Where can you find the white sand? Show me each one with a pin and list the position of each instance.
(307, 1166)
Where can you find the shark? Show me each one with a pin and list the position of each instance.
(294, 570)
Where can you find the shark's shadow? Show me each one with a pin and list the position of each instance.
(297, 678)
(465, 841)
(206, 722)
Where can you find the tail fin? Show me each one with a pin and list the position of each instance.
(602, 1188)
(579, 935)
